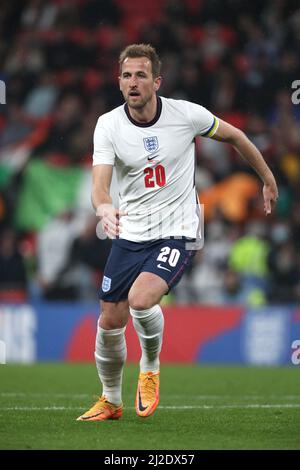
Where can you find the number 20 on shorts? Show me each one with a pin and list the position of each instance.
(155, 176)
(168, 255)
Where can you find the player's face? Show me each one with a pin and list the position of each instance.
(137, 83)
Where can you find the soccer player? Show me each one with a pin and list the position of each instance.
(150, 141)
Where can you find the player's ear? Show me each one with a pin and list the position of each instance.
(157, 83)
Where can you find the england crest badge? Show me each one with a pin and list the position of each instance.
(106, 283)
(151, 143)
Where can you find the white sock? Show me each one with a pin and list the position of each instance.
(110, 357)
(149, 325)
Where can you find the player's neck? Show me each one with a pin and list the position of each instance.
(145, 114)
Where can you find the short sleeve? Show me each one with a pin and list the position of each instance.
(203, 121)
(103, 148)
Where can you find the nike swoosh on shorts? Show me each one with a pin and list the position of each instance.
(162, 267)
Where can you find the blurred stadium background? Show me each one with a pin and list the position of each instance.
(59, 62)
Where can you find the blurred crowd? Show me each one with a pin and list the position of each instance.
(59, 61)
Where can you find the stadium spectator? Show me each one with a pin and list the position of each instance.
(13, 276)
(248, 257)
(284, 266)
(84, 266)
(54, 242)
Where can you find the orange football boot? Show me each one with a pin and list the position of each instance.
(102, 410)
(147, 395)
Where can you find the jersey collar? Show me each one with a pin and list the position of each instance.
(145, 124)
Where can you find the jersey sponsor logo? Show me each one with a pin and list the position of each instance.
(151, 143)
(162, 267)
(106, 283)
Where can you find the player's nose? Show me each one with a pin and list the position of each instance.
(133, 81)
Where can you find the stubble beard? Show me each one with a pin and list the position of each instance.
(140, 105)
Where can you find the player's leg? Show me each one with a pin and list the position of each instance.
(110, 351)
(121, 270)
(148, 321)
(163, 268)
(144, 297)
(110, 356)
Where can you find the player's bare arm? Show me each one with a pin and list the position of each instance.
(230, 134)
(102, 202)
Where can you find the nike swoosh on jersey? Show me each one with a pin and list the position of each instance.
(154, 156)
(162, 267)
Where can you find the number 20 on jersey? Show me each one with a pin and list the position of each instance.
(155, 176)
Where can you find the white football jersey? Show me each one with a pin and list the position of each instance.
(155, 166)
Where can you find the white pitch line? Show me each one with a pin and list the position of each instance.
(161, 407)
(238, 397)
(194, 397)
(40, 395)
(39, 408)
(223, 407)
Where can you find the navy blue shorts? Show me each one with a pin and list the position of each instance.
(168, 258)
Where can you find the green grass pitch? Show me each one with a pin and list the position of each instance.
(201, 407)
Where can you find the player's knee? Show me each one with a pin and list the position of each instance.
(140, 301)
(112, 317)
(109, 323)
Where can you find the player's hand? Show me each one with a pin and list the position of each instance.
(110, 219)
(270, 193)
